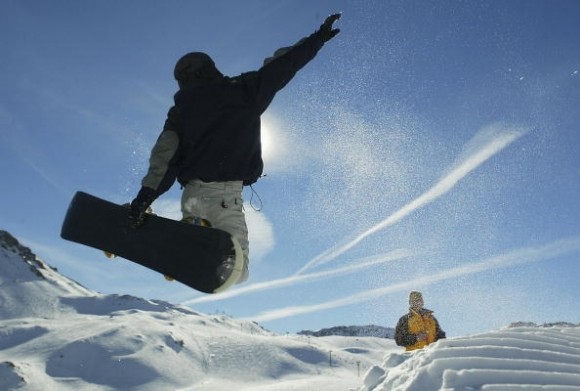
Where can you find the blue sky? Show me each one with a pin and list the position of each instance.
(433, 146)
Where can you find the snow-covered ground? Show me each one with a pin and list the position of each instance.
(57, 335)
(522, 358)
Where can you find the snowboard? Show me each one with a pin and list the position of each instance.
(187, 253)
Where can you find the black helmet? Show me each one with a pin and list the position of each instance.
(195, 66)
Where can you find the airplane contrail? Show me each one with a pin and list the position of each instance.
(467, 165)
(512, 258)
(278, 283)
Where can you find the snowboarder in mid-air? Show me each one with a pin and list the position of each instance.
(210, 142)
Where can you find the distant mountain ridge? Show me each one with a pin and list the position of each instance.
(353, 331)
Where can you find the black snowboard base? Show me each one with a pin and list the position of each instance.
(187, 253)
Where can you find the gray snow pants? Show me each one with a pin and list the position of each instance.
(221, 204)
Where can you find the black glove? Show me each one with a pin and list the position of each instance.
(139, 206)
(326, 31)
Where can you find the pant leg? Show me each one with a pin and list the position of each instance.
(221, 203)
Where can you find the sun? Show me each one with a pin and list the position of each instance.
(268, 145)
(275, 147)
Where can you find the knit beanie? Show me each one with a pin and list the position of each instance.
(415, 296)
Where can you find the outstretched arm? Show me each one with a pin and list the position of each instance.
(279, 69)
(326, 33)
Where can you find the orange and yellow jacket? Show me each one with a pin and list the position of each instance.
(414, 323)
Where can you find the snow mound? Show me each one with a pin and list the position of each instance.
(56, 335)
(164, 348)
(516, 358)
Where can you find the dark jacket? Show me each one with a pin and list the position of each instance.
(215, 125)
(416, 322)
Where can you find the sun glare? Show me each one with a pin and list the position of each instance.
(276, 146)
(268, 145)
(266, 141)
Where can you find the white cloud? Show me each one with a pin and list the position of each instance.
(167, 207)
(260, 234)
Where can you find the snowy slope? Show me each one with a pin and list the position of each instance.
(517, 358)
(29, 287)
(56, 336)
(155, 347)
